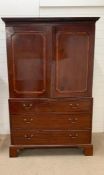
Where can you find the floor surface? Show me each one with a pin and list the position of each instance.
(65, 161)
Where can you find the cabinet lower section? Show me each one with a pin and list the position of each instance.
(50, 123)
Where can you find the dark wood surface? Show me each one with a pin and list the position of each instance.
(73, 60)
(41, 57)
(50, 137)
(49, 19)
(51, 121)
(50, 105)
(50, 72)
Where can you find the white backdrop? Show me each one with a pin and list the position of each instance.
(65, 3)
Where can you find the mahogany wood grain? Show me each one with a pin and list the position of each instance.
(51, 121)
(73, 60)
(50, 105)
(88, 150)
(50, 137)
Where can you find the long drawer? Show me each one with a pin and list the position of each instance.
(31, 106)
(51, 121)
(48, 137)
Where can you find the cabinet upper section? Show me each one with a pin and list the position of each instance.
(50, 57)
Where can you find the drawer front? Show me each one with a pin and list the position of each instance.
(51, 121)
(49, 137)
(31, 106)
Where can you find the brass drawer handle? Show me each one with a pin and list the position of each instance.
(73, 120)
(74, 105)
(27, 106)
(28, 137)
(70, 104)
(73, 136)
(28, 120)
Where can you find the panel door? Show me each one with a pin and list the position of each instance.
(28, 60)
(72, 60)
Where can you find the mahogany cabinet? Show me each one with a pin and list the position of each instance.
(50, 72)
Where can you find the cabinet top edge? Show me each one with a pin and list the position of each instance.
(50, 19)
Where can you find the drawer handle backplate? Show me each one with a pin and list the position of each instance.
(74, 106)
(27, 106)
(28, 120)
(28, 137)
(73, 120)
(73, 136)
